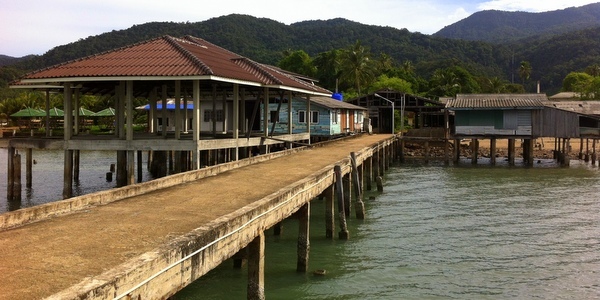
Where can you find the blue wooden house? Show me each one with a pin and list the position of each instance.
(327, 117)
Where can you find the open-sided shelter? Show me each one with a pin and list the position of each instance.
(187, 68)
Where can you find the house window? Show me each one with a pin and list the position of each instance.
(301, 116)
(334, 116)
(219, 117)
(207, 115)
(314, 117)
(274, 116)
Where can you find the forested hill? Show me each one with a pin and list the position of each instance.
(501, 26)
(265, 41)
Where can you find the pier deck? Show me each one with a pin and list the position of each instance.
(40, 259)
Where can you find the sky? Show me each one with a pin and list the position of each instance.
(36, 26)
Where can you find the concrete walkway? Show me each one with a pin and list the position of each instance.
(40, 259)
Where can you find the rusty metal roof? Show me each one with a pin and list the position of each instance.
(166, 56)
(329, 102)
(497, 101)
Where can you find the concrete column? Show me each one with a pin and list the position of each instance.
(303, 237)
(163, 111)
(256, 268)
(329, 212)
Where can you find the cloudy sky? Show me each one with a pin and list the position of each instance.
(36, 26)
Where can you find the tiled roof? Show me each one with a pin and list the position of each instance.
(497, 101)
(167, 56)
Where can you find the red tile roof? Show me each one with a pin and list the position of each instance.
(167, 56)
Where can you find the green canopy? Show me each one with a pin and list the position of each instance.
(107, 112)
(85, 112)
(55, 112)
(29, 113)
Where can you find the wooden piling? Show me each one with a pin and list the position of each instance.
(10, 172)
(580, 148)
(594, 156)
(329, 212)
(339, 195)
(493, 151)
(587, 150)
(426, 152)
(256, 268)
(29, 167)
(68, 175)
(139, 166)
(402, 145)
(369, 172)
(379, 181)
(347, 194)
(511, 152)
(456, 151)
(359, 205)
(303, 238)
(474, 150)
(17, 178)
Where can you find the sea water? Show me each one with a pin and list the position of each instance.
(436, 232)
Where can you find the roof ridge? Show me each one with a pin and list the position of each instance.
(197, 40)
(260, 68)
(173, 41)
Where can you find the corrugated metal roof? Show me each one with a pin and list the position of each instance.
(332, 103)
(172, 57)
(587, 107)
(497, 101)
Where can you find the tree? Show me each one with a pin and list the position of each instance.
(327, 65)
(298, 62)
(524, 71)
(384, 82)
(357, 69)
(576, 82)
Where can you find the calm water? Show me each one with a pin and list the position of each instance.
(435, 233)
(445, 233)
(48, 176)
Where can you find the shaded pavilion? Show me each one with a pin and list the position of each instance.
(187, 68)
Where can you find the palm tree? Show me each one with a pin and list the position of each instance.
(357, 69)
(524, 71)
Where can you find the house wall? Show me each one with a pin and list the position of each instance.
(552, 122)
(493, 122)
(324, 126)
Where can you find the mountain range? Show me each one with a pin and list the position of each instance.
(553, 42)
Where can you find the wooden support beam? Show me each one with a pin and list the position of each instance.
(339, 194)
(329, 211)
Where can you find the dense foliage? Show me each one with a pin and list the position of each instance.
(354, 58)
(502, 26)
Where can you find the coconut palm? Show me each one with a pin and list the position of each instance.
(357, 69)
(524, 71)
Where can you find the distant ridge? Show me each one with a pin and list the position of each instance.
(501, 26)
